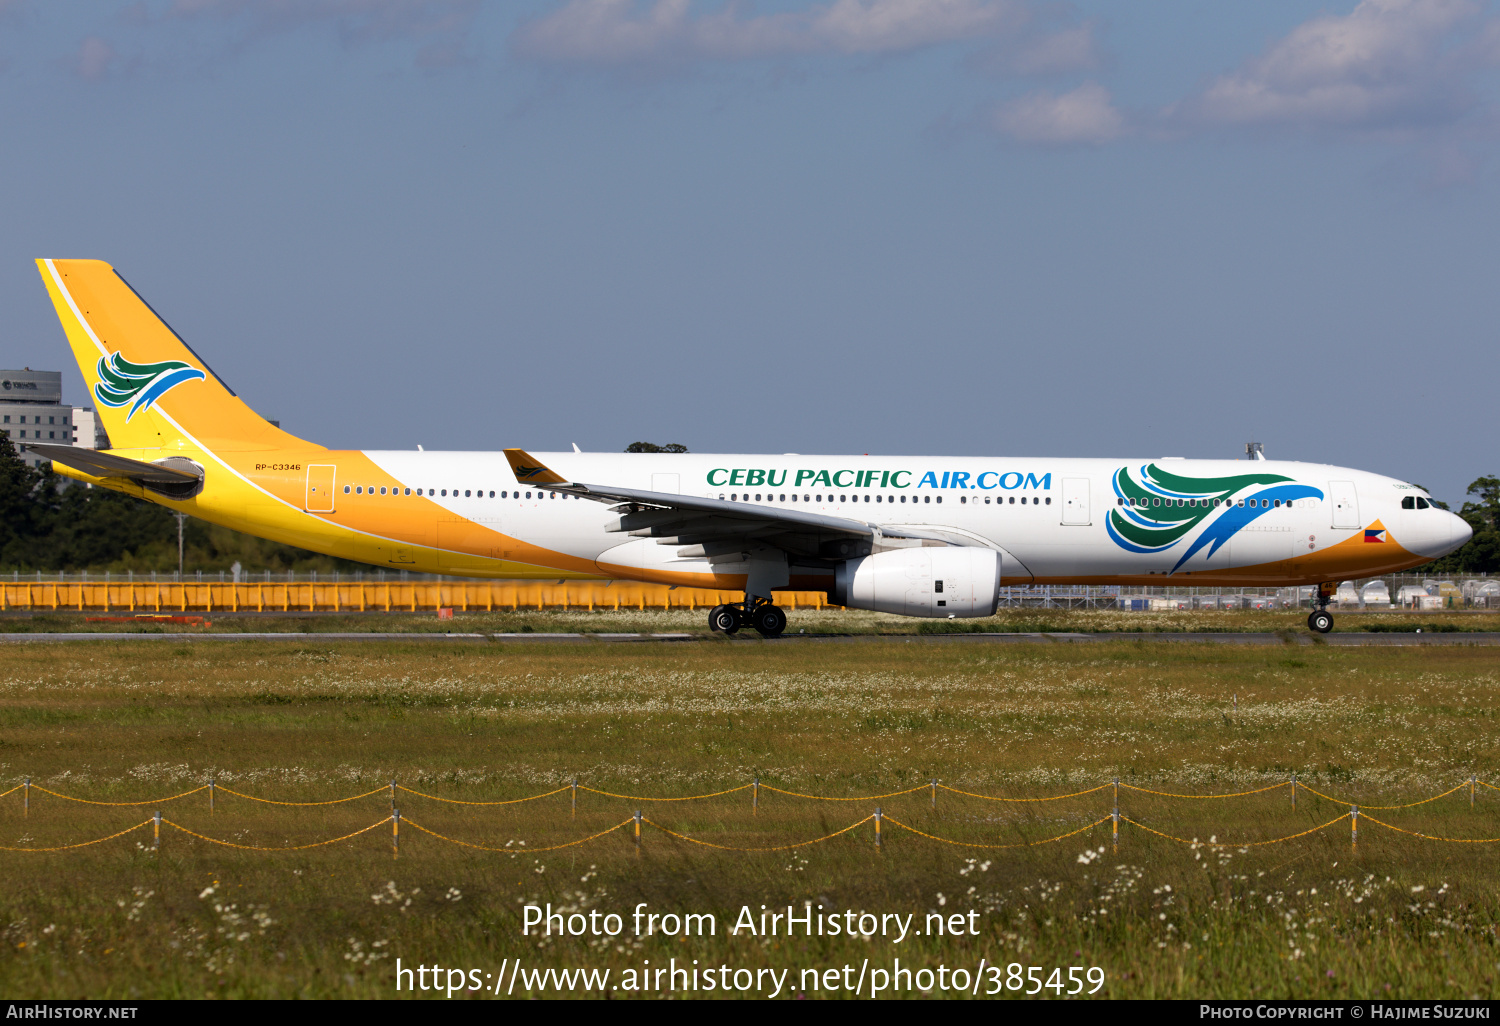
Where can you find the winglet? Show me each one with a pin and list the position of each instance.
(530, 470)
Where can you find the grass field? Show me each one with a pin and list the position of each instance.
(308, 721)
(810, 621)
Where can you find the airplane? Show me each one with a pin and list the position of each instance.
(917, 536)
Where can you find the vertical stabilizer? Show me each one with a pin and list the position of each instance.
(150, 389)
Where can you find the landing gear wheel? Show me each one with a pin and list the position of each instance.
(769, 620)
(1320, 621)
(724, 619)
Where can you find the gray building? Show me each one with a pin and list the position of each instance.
(32, 410)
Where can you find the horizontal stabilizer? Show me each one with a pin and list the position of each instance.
(156, 476)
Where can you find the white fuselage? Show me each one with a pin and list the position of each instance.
(1051, 517)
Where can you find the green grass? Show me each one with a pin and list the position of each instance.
(810, 621)
(307, 721)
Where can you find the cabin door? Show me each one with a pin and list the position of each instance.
(1345, 501)
(1075, 501)
(320, 481)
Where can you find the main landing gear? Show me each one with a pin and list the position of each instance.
(768, 620)
(1320, 619)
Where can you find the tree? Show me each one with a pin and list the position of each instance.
(648, 447)
(19, 486)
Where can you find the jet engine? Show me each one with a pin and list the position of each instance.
(942, 581)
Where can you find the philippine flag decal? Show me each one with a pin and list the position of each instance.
(1375, 536)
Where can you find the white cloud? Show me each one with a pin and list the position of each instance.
(1085, 115)
(1388, 64)
(355, 20)
(1075, 48)
(623, 32)
(94, 59)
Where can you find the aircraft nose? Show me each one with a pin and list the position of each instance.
(1459, 532)
(1441, 534)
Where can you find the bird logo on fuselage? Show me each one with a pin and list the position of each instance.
(1161, 509)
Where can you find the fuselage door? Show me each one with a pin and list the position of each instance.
(320, 481)
(1075, 501)
(1345, 502)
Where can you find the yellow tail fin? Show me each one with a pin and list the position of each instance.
(150, 390)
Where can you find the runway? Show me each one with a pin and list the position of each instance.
(1350, 640)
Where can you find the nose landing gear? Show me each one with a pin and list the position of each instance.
(1320, 619)
(768, 620)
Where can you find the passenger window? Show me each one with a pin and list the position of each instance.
(359, 489)
(1049, 500)
(783, 498)
(963, 500)
(867, 498)
(940, 500)
(903, 498)
(346, 489)
(926, 498)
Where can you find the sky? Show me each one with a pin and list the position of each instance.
(938, 227)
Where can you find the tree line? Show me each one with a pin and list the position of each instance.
(52, 523)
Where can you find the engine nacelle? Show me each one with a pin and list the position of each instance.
(929, 581)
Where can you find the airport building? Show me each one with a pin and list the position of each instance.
(32, 410)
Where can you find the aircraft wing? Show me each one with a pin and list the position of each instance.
(708, 527)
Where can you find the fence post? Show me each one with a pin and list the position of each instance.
(637, 833)
(1354, 827)
(877, 828)
(1117, 814)
(156, 831)
(26, 798)
(393, 794)
(574, 811)
(395, 833)
(210, 796)
(755, 797)
(1294, 792)
(1471, 792)
(934, 792)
